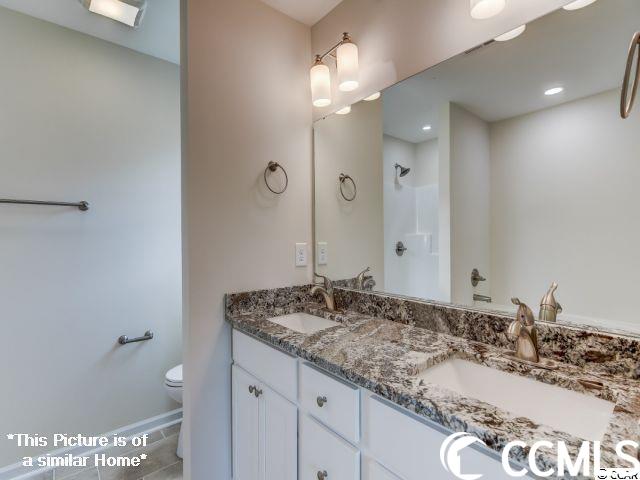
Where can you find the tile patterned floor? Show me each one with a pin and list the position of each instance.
(162, 462)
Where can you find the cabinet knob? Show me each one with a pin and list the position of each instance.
(252, 389)
(257, 392)
(321, 401)
(322, 475)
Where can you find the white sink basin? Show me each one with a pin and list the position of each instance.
(580, 415)
(303, 322)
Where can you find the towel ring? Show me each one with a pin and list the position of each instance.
(344, 178)
(272, 167)
(626, 102)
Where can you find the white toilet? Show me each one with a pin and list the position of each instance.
(173, 385)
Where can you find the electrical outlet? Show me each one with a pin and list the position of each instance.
(301, 254)
(323, 256)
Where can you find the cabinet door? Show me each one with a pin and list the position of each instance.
(246, 423)
(323, 451)
(280, 439)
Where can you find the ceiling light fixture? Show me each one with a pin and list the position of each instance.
(554, 91)
(373, 97)
(346, 54)
(345, 110)
(578, 4)
(511, 34)
(483, 9)
(129, 12)
(426, 128)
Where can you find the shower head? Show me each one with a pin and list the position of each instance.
(403, 170)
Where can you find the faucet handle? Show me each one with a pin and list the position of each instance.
(524, 313)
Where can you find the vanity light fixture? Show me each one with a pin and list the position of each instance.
(129, 12)
(373, 97)
(344, 111)
(554, 91)
(426, 128)
(578, 4)
(511, 34)
(346, 54)
(483, 9)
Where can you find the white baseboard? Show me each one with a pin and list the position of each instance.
(17, 471)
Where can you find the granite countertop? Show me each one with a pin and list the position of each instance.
(384, 356)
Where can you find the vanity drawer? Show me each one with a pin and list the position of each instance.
(323, 451)
(333, 402)
(410, 446)
(273, 367)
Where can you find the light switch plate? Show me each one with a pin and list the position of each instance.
(323, 255)
(301, 254)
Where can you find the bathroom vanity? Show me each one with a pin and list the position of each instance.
(370, 392)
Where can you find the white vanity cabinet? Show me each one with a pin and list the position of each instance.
(293, 421)
(265, 431)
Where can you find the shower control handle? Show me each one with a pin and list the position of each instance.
(400, 249)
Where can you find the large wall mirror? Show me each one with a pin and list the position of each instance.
(494, 175)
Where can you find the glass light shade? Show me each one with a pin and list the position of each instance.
(578, 4)
(128, 12)
(483, 9)
(347, 61)
(511, 34)
(373, 97)
(320, 85)
(345, 110)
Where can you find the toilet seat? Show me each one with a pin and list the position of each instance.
(173, 377)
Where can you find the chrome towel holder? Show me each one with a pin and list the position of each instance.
(343, 178)
(628, 97)
(123, 339)
(272, 167)
(82, 206)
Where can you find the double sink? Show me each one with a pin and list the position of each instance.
(583, 416)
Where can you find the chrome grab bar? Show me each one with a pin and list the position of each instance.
(123, 339)
(82, 206)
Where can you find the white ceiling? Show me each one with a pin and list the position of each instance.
(308, 12)
(584, 51)
(158, 36)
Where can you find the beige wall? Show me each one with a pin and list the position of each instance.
(248, 103)
(470, 193)
(84, 119)
(354, 232)
(565, 208)
(399, 38)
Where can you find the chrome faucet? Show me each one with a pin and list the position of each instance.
(360, 279)
(525, 333)
(326, 292)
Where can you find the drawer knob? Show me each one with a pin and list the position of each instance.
(321, 401)
(322, 475)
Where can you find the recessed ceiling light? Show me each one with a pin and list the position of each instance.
(578, 4)
(128, 12)
(510, 35)
(373, 97)
(345, 110)
(554, 91)
(483, 9)
(426, 128)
